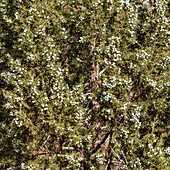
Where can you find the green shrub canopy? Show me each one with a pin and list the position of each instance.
(84, 84)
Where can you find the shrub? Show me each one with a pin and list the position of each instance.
(84, 84)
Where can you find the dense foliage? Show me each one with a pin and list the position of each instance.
(84, 84)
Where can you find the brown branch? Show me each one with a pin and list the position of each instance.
(109, 162)
(104, 127)
(86, 84)
(123, 154)
(108, 167)
(124, 157)
(118, 163)
(135, 84)
(86, 94)
(103, 140)
(44, 153)
(54, 152)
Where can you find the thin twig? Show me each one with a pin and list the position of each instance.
(102, 71)
(86, 94)
(68, 148)
(79, 60)
(44, 153)
(115, 155)
(45, 141)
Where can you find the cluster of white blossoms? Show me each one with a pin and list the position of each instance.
(107, 96)
(70, 158)
(156, 152)
(58, 128)
(73, 160)
(122, 3)
(143, 55)
(89, 137)
(4, 9)
(81, 40)
(109, 83)
(132, 20)
(60, 2)
(161, 7)
(136, 163)
(64, 32)
(99, 158)
(151, 82)
(30, 167)
(167, 151)
(18, 122)
(124, 107)
(124, 133)
(40, 31)
(163, 26)
(135, 117)
(79, 115)
(111, 50)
